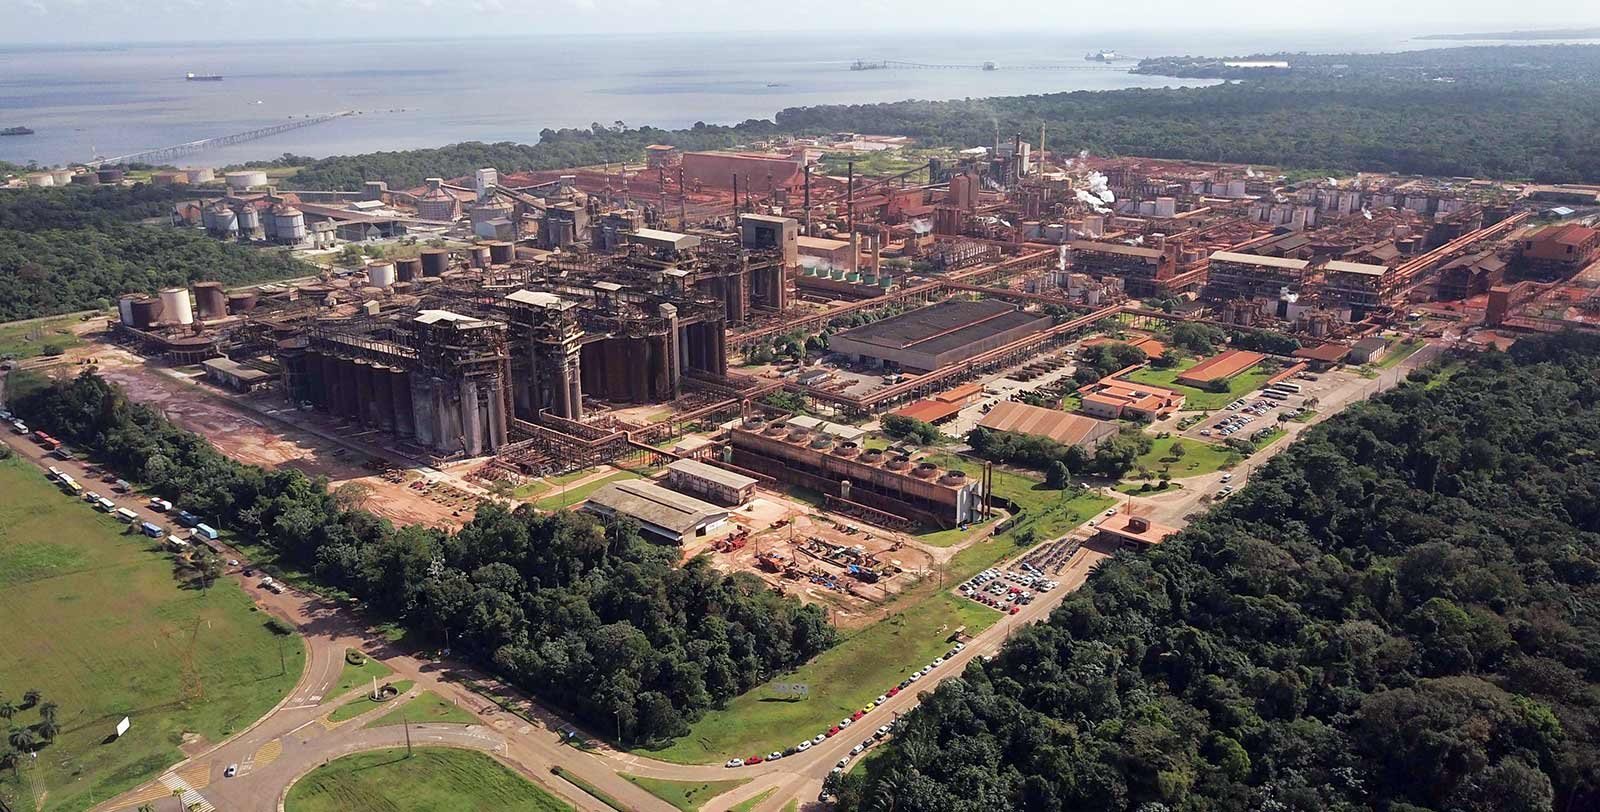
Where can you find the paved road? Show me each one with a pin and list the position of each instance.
(295, 737)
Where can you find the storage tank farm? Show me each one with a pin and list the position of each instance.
(176, 306)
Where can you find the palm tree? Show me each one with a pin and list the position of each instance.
(7, 710)
(9, 757)
(31, 697)
(47, 711)
(21, 738)
(47, 729)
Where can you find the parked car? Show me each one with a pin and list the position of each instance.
(734, 762)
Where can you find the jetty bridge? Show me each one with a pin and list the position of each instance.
(167, 153)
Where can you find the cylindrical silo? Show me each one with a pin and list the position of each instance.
(381, 274)
(146, 312)
(62, 177)
(210, 300)
(479, 256)
(125, 308)
(108, 175)
(407, 269)
(241, 302)
(436, 203)
(501, 253)
(349, 389)
(290, 224)
(250, 221)
(383, 396)
(400, 383)
(435, 261)
(176, 305)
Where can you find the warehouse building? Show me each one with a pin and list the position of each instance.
(938, 336)
(1062, 427)
(663, 513)
(1113, 399)
(235, 375)
(710, 482)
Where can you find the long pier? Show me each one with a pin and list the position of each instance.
(895, 64)
(176, 150)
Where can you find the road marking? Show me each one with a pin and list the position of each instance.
(196, 775)
(269, 752)
(191, 799)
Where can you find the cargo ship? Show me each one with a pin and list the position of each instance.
(1101, 56)
(16, 131)
(203, 77)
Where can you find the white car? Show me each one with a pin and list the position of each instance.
(1227, 477)
(857, 749)
(844, 761)
(960, 646)
(1111, 512)
(804, 746)
(881, 699)
(846, 722)
(734, 762)
(775, 755)
(916, 675)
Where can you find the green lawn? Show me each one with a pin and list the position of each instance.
(365, 703)
(747, 806)
(560, 500)
(1400, 351)
(100, 624)
(1199, 399)
(842, 680)
(1269, 438)
(544, 484)
(1304, 416)
(1136, 487)
(685, 795)
(425, 707)
(791, 806)
(34, 338)
(355, 676)
(432, 779)
(1198, 458)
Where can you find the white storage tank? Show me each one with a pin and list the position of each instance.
(246, 179)
(250, 227)
(381, 274)
(289, 224)
(62, 177)
(41, 179)
(177, 307)
(125, 308)
(198, 175)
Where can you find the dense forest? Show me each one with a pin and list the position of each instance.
(585, 615)
(1400, 613)
(78, 248)
(1504, 112)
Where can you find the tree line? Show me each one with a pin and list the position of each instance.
(1398, 613)
(586, 615)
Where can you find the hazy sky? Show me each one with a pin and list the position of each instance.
(32, 21)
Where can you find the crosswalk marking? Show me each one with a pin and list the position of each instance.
(191, 799)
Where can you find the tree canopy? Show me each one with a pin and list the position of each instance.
(1398, 613)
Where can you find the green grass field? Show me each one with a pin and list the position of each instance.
(1198, 458)
(35, 338)
(363, 704)
(559, 499)
(425, 707)
(542, 485)
(432, 780)
(1199, 399)
(358, 676)
(685, 795)
(842, 680)
(100, 624)
(747, 806)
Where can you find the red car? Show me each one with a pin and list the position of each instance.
(857, 715)
(894, 690)
(752, 760)
(832, 731)
(1015, 609)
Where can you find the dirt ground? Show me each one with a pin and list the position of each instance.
(780, 526)
(251, 437)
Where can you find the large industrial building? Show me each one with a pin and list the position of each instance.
(938, 336)
(663, 513)
(890, 488)
(1065, 428)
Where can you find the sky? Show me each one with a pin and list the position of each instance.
(49, 21)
